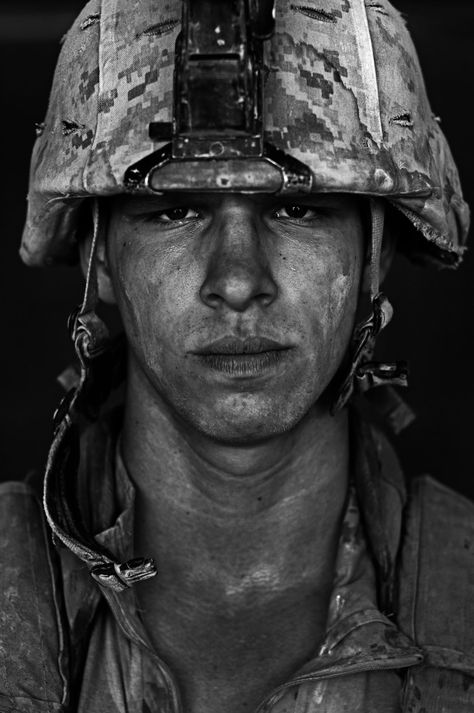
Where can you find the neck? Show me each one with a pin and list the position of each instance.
(244, 538)
(246, 502)
(170, 461)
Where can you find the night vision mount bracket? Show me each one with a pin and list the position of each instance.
(216, 139)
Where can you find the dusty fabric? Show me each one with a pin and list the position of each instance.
(33, 659)
(88, 652)
(344, 94)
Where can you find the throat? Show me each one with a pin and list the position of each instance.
(245, 555)
(229, 646)
(240, 602)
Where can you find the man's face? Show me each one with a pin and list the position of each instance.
(238, 309)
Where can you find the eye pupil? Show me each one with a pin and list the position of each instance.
(296, 211)
(177, 213)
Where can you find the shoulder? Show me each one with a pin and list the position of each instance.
(437, 569)
(32, 656)
(437, 564)
(436, 594)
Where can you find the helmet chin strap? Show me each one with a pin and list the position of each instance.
(102, 368)
(364, 373)
(88, 331)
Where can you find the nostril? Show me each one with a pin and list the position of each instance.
(238, 290)
(212, 299)
(265, 299)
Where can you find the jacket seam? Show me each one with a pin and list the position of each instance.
(59, 623)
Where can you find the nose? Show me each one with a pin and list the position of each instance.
(238, 274)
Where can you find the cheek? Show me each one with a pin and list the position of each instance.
(341, 295)
(340, 314)
(154, 288)
(324, 285)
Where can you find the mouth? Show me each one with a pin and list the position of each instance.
(250, 357)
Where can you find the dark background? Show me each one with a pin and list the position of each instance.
(434, 310)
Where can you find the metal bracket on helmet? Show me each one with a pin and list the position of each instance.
(216, 138)
(273, 172)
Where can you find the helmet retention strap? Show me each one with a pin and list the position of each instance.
(91, 291)
(88, 331)
(364, 373)
(377, 211)
(101, 369)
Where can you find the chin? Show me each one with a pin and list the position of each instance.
(246, 420)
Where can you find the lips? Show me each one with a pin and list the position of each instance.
(243, 358)
(236, 346)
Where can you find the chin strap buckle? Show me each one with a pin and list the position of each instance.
(364, 373)
(119, 577)
(371, 374)
(89, 334)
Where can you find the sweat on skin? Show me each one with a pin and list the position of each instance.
(240, 470)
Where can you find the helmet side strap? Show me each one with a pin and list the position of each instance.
(377, 212)
(98, 358)
(363, 373)
(88, 332)
(91, 290)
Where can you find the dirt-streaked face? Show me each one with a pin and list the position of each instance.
(238, 309)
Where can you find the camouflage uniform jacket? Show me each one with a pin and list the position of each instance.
(66, 645)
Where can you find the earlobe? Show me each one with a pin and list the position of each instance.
(105, 285)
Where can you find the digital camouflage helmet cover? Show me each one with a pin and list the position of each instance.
(342, 93)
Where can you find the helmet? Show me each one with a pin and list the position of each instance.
(344, 110)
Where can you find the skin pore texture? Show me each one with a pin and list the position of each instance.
(238, 311)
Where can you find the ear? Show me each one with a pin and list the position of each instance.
(106, 289)
(389, 247)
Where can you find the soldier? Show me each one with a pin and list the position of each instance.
(236, 535)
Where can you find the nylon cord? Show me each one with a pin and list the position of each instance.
(91, 290)
(377, 209)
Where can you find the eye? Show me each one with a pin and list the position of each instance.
(296, 211)
(176, 214)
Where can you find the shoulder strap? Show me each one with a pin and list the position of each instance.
(436, 596)
(34, 658)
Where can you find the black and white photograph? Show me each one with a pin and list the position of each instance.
(237, 356)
